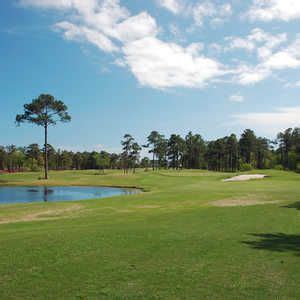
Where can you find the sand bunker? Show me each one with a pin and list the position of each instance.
(245, 177)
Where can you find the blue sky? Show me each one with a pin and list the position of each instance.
(212, 67)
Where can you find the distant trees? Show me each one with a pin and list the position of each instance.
(247, 146)
(145, 163)
(223, 154)
(3, 158)
(154, 141)
(289, 148)
(176, 150)
(226, 154)
(131, 152)
(195, 150)
(34, 155)
(232, 148)
(262, 153)
(44, 111)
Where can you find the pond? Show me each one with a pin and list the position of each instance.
(26, 194)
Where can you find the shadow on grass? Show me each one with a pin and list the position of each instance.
(295, 205)
(278, 242)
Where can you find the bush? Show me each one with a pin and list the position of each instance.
(298, 168)
(35, 169)
(279, 167)
(246, 167)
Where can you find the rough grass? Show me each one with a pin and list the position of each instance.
(170, 242)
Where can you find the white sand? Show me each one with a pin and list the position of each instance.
(245, 177)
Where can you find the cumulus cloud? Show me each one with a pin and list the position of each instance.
(84, 34)
(136, 27)
(134, 39)
(199, 11)
(248, 75)
(268, 10)
(207, 9)
(175, 6)
(55, 4)
(258, 40)
(269, 122)
(162, 65)
(272, 55)
(135, 42)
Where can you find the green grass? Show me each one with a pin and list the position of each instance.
(167, 243)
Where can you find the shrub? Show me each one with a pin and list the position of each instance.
(278, 167)
(246, 167)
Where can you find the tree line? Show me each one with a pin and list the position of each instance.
(227, 154)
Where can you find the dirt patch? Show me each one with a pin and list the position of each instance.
(245, 177)
(241, 202)
(43, 215)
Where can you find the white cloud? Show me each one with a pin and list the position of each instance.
(292, 84)
(250, 75)
(258, 40)
(102, 23)
(270, 56)
(203, 10)
(282, 60)
(55, 4)
(136, 27)
(199, 11)
(236, 98)
(155, 63)
(163, 65)
(175, 6)
(135, 43)
(208, 9)
(269, 122)
(268, 10)
(240, 43)
(84, 34)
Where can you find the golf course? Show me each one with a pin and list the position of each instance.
(188, 235)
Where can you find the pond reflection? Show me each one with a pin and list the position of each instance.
(59, 193)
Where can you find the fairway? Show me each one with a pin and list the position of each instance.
(171, 242)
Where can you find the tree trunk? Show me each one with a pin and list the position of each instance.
(46, 152)
(153, 161)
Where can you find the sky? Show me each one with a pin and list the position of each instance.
(125, 66)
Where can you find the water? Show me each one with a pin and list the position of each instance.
(9, 195)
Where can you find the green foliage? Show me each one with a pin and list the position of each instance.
(246, 167)
(226, 154)
(194, 151)
(289, 148)
(176, 150)
(130, 154)
(279, 167)
(247, 145)
(158, 147)
(44, 111)
(145, 163)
